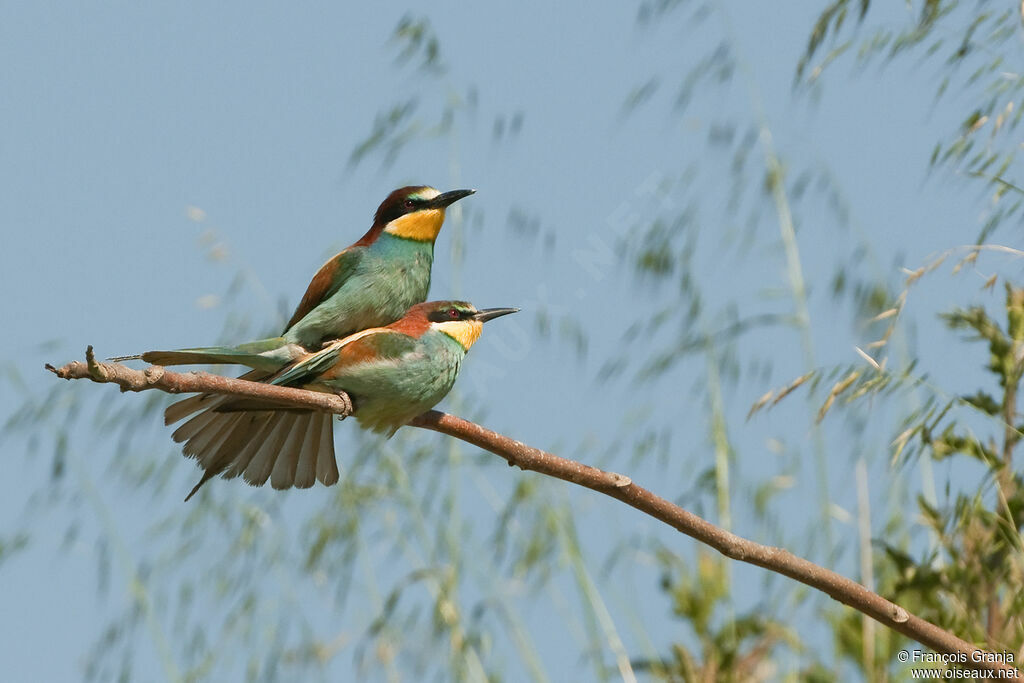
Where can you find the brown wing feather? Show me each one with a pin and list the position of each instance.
(372, 343)
(358, 351)
(318, 288)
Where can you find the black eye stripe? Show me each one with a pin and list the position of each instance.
(397, 207)
(448, 315)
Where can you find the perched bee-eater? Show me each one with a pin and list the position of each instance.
(392, 374)
(371, 283)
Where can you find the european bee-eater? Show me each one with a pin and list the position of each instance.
(371, 283)
(392, 374)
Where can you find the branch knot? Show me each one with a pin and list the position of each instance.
(96, 370)
(154, 373)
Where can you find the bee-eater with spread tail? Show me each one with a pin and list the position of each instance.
(392, 374)
(371, 283)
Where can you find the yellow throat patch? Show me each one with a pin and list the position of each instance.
(466, 332)
(421, 226)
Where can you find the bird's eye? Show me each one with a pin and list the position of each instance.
(408, 203)
(453, 314)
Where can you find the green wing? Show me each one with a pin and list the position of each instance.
(328, 280)
(308, 368)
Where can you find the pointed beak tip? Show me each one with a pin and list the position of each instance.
(492, 313)
(448, 198)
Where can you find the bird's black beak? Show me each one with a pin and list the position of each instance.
(448, 198)
(492, 313)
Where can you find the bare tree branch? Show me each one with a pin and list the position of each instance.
(156, 377)
(617, 486)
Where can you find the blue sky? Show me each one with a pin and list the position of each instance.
(174, 172)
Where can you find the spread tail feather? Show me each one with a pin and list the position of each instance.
(288, 448)
(179, 410)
